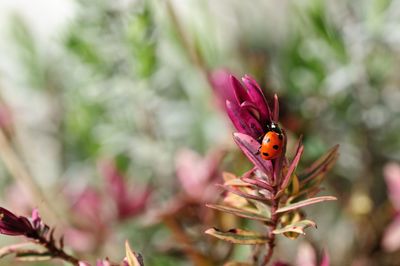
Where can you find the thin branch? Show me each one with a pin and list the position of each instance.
(17, 169)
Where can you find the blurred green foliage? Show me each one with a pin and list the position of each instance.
(126, 80)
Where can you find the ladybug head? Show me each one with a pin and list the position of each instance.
(274, 127)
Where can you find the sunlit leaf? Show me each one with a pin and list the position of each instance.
(245, 195)
(239, 236)
(297, 227)
(240, 212)
(237, 263)
(236, 182)
(33, 256)
(134, 259)
(304, 203)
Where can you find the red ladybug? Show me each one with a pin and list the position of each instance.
(271, 145)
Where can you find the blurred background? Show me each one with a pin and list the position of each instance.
(100, 99)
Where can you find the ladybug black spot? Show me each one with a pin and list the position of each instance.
(276, 147)
(265, 154)
(268, 140)
(280, 137)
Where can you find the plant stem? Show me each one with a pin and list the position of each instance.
(271, 236)
(55, 251)
(18, 170)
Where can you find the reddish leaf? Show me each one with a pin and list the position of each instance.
(243, 121)
(257, 182)
(250, 147)
(251, 108)
(133, 258)
(291, 169)
(320, 166)
(257, 97)
(240, 92)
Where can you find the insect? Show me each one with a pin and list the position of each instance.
(271, 145)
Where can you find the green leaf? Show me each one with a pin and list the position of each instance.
(297, 227)
(240, 212)
(304, 203)
(238, 236)
(134, 259)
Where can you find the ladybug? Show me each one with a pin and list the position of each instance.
(271, 145)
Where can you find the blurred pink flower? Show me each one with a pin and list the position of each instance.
(89, 206)
(197, 174)
(91, 210)
(306, 256)
(90, 221)
(391, 237)
(105, 262)
(391, 173)
(128, 203)
(219, 79)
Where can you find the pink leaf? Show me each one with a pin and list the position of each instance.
(320, 166)
(257, 97)
(240, 92)
(292, 168)
(243, 121)
(250, 147)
